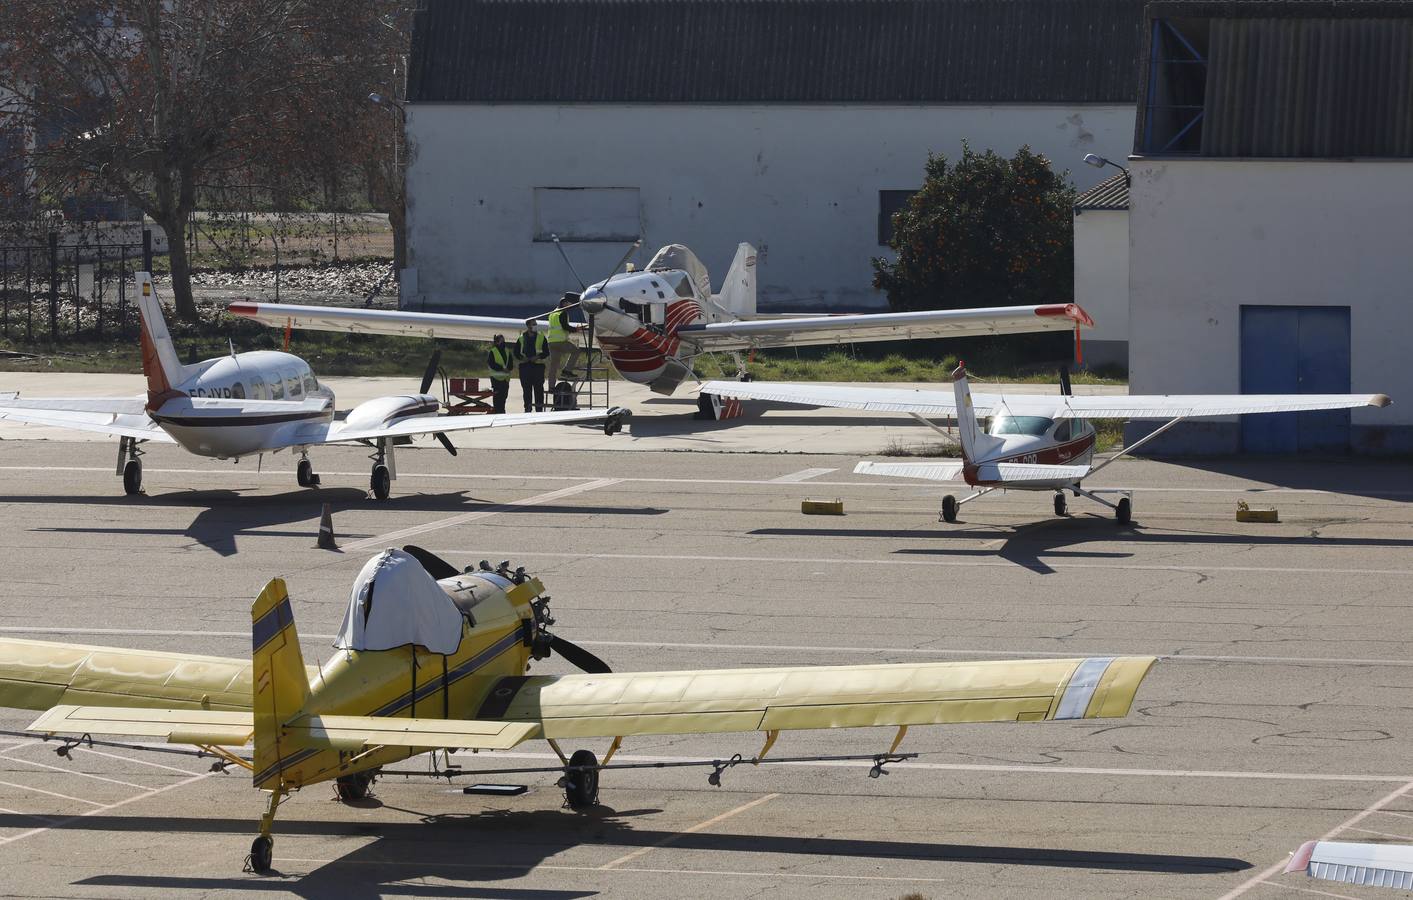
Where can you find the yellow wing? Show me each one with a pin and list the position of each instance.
(176, 726)
(39, 674)
(818, 697)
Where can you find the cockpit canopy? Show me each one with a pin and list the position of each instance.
(1005, 424)
(677, 256)
(395, 603)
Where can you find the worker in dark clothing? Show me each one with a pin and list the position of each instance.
(501, 360)
(531, 351)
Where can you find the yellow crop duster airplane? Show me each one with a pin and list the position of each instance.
(433, 658)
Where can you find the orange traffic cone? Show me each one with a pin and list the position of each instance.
(326, 530)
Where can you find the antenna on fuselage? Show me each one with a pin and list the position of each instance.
(231, 342)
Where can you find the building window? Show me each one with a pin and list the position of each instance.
(608, 215)
(890, 202)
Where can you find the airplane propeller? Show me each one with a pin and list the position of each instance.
(1065, 388)
(573, 654)
(427, 378)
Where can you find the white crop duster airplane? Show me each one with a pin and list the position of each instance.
(259, 402)
(1034, 443)
(653, 323)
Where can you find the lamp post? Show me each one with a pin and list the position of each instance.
(1100, 162)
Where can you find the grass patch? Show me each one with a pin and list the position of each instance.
(900, 448)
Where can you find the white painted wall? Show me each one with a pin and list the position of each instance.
(1209, 235)
(1101, 281)
(800, 182)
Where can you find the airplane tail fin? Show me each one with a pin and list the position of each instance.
(738, 289)
(280, 681)
(976, 443)
(160, 362)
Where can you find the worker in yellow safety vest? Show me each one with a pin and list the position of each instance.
(564, 352)
(531, 351)
(501, 361)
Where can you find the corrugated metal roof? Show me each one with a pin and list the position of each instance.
(1293, 79)
(1111, 193)
(806, 51)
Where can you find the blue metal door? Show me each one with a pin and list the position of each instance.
(1295, 350)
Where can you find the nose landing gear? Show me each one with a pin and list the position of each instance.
(130, 465)
(384, 470)
(304, 473)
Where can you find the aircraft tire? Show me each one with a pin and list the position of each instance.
(949, 508)
(262, 853)
(381, 482)
(581, 786)
(1123, 512)
(132, 476)
(304, 474)
(1059, 504)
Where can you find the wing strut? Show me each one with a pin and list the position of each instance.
(1139, 443)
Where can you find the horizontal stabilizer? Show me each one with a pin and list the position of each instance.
(354, 733)
(928, 471)
(176, 726)
(1378, 865)
(1028, 472)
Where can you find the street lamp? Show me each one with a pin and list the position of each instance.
(1100, 162)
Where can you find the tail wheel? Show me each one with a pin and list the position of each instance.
(262, 853)
(304, 474)
(132, 476)
(949, 508)
(581, 785)
(1059, 504)
(1123, 512)
(381, 482)
(354, 787)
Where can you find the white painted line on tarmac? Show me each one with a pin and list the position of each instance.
(700, 826)
(24, 787)
(1306, 890)
(1036, 769)
(1329, 835)
(274, 473)
(102, 809)
(134, 759)
(990, 652)
(70, 771)
(397, 537)
(940, 563)
(802, 475)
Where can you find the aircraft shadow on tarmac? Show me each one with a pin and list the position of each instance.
(225, 515)
(499, 844)
(1025, 545)
(1361, 476)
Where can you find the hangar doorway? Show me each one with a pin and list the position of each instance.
(1295, 350)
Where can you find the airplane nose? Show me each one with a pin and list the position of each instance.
(592, 302)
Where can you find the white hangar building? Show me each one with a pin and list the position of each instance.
(797, 125)
(1270, 205)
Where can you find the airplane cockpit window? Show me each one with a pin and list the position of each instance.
(311, 384)
(1005, 423)
(277, 388)
(293, 386)
(238, 391)
(1064, 430)
(257, 388)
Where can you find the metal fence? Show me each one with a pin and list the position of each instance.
(51, 291)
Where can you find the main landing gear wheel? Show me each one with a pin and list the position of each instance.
(304, 474)
(262, 853)
(381, 482)
(354, 787)
(612, 425)
(1059, 504)
(1123, 512)
(949, 508)
(581, 786)
(132, 476)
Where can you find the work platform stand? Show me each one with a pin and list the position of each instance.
(589, 390)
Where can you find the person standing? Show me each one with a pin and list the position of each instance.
(563, 351)
(531, 351)
(501, 361)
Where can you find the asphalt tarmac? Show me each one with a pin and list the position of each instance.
(1279, 712)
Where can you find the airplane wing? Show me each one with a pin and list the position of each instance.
(176, 726)
(862, 328)
(340, 431)
(928, 471)
(379, 321)
(950, 471)
(802, 697)
(1379, 865)
(116, 416)
(1107, 406)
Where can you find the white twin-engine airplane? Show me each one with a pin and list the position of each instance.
(653, 323)
(1034, 443)
(259, 402)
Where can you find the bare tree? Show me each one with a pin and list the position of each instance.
(165, 102)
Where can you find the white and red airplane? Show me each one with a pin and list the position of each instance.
(1034, 442)
(247, 404)
(653, 323)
